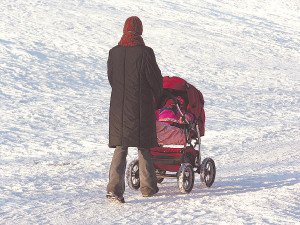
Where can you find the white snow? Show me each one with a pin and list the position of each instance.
(243, 55)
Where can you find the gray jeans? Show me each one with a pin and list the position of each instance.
(148, 180)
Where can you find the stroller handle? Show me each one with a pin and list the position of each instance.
(170, 95)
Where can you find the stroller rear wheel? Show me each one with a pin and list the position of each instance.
(132, 175)
(186, 178)
(207, 172)
(158, 173)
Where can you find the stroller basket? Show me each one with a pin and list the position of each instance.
(170, 159)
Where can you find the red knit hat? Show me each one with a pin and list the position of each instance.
(132, 31)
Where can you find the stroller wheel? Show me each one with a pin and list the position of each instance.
(132, 175)
(160, 172)
(207, 172)
(185, 178)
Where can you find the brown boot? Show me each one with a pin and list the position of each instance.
(114, 198)
(147, 192)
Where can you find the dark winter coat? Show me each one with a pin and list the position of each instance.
(135, 79)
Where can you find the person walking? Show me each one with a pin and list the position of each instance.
(136, 83)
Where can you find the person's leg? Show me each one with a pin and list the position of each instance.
(148, 180)
(116, 184)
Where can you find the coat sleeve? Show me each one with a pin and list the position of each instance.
(109, 69)
(153, 74)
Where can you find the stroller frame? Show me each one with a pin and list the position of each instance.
(184, 160)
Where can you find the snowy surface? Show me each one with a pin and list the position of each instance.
(243, 55)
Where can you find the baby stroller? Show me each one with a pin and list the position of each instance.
(180, 162)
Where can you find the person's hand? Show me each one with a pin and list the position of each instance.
(181, 120)
(187, 117)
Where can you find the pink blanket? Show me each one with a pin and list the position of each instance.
(169, 135)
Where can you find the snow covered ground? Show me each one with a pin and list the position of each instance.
(243, 55)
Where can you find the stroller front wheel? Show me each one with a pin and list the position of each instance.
(208, 172)
(186, 178)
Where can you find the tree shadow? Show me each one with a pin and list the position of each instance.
(225, 186)
(243, 184)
